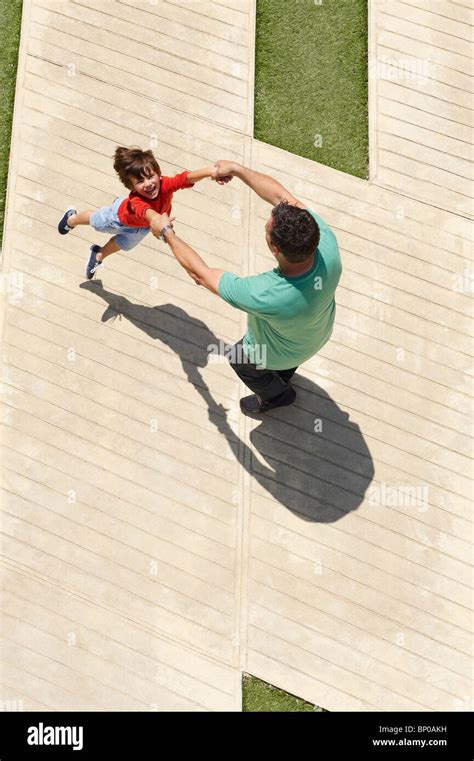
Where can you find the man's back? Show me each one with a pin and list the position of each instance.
(290, 318)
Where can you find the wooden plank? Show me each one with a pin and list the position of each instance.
(213, 66)
(423, 67)
(455, 11)
(365, 576)
(337, 598)
(196, 16)
(171, 534)
(235, 17)
(368, 675)
(426, 17)
(433, 193)
(128, 83)
(429, 103)
(446, 148)
(455, 47)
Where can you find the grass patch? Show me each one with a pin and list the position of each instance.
(260, 696)
(311, 81)
(10, 13)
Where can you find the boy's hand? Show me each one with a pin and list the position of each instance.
(159, 221)
(224, 171)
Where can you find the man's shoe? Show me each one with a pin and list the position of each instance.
(92, 264)
(63, 227)
(254, 404)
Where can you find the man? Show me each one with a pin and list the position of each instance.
(290, 308)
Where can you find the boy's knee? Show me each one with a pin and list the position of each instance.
(124, 243)
(127, 241)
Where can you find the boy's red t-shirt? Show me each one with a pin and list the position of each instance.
(131, 211)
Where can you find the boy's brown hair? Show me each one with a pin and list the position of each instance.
(133, 162)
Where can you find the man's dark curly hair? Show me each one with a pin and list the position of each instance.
(294, 231)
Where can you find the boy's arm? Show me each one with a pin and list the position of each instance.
(207, 171)
(150, 213)
(201, 174)
(262, 184)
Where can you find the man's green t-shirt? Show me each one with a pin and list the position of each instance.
(289, 318)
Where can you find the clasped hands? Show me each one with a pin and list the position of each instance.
(223, 172)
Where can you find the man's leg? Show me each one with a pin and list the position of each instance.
(287, 374)
(271, 387)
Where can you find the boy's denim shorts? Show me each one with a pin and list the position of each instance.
(106, 220)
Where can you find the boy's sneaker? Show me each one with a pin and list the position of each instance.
(92, 264)
(63, 226)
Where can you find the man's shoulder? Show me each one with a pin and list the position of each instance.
(253, 291)
(260, 280)
(328, 245)
(322, 224)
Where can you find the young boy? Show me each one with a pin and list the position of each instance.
(128, 218)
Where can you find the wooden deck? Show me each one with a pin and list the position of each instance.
(423, 65)
(156, 543)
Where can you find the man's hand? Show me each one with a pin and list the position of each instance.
(224, 171)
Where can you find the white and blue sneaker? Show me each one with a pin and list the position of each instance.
(63, 227)
(92, 264)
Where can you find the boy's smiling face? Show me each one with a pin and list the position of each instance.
(147, 186)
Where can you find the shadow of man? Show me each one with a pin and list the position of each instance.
(309, 457)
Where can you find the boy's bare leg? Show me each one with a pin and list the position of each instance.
(83, 218)
(111, 247)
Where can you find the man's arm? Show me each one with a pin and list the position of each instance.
(262, 184)
(194, 265)
(189, 259)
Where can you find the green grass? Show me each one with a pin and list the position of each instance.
(260, 696)
(311, 81)
(10, 14)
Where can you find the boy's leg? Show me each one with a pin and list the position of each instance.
(82, 218)
(98, 254)
(111, 247)
(125, 240)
